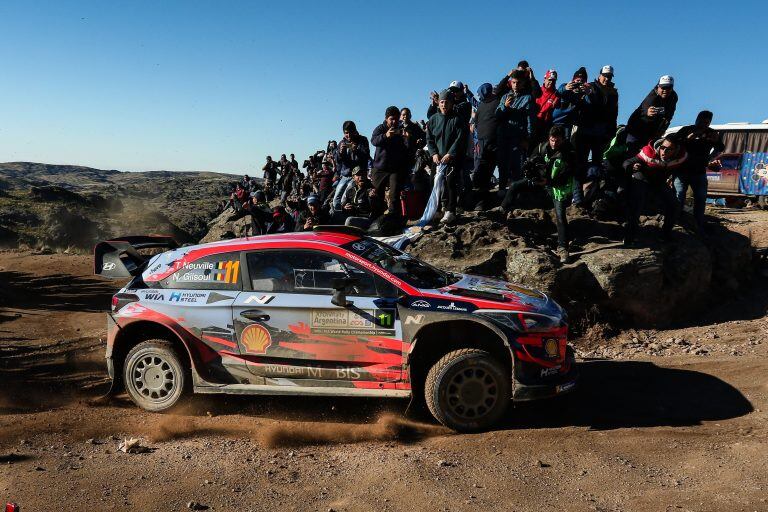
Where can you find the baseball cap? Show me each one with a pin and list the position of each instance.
(313, 199)
(666, 82)
(607, 70)
(551, 74)
(456, 84)
(359, 171)
(445, 94)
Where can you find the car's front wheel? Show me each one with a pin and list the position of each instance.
(467, 390)
(154, 375)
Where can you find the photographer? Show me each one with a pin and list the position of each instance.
(571, 96)
(353, 151)
(515, 114)
(551, 166)
(415, 138)
(313, 215)
(390, 163)
(651, 172)
(360, 201)
(653, 116)
(597, 117)
(703, 145)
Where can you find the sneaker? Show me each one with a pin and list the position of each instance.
(562, 252)
(448, 218)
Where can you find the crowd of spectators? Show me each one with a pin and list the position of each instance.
(494, 148)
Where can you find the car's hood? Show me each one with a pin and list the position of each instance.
(489, 293)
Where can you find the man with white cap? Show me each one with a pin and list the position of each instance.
(653, 115)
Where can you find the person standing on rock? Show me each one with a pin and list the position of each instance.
(653, 116)
(516, 114)
(447, 135)
(552, 166)
(547, 102)
(596, 126)
(651, 172)
(353, 151)
(390, 163)
(703, 145)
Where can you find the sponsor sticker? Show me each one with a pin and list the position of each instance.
(187, 296)
(548, 372)
(256, 339)
(260, 299)
(562, 388)
(108, 266)
(452, 307)
(344, 321)
(420, 304)
(414, 319)
(154, 296)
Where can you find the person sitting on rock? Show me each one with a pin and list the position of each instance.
(651, 170)
(360, 202)
(261, 214)
(552, 166)
(313, 215)
(281, 221)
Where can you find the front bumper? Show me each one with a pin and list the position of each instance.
(560, 385)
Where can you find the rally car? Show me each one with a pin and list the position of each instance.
(330, 312)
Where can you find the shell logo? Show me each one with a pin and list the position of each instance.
(256, 339)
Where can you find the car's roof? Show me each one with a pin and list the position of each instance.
(326, 237)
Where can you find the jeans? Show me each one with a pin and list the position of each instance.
(586, 144)
(516, 188)
(341, 186)
(453, 177)
(698, 184)
(511, 157)
(485, 161)
(638, 191)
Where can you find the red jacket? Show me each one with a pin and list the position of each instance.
(547, 102)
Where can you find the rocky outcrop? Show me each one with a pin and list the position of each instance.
(654, 284)
(227, 226)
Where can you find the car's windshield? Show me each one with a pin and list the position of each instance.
(411, 270)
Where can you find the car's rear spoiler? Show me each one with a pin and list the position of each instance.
(120, 258)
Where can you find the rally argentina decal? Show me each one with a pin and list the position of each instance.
(347, 322)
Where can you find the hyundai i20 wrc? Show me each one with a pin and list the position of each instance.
(330, 312)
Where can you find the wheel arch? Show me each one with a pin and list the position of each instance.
(436, 339)
(142, 330)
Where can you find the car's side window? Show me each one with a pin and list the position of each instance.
(304, 272)
(216, 272)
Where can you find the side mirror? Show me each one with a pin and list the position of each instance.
(340, 287)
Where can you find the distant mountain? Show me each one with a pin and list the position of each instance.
(70, 206)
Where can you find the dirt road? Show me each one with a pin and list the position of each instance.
(664, 420)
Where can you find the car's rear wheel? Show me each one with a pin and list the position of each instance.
(467, 390)
(154, 375)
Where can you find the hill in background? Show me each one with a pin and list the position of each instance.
(72, 207)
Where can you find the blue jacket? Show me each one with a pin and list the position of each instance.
(567, 114)
(516, 121)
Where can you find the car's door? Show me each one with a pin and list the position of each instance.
(198, 296)
(287, 327)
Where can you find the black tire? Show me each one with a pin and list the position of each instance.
(467, 390)
(154, 375)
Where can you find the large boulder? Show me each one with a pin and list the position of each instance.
(227, 226)
(651, 285)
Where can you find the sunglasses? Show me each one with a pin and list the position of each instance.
(666, 87)
(662, 148)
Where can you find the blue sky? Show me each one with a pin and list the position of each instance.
(204, 85)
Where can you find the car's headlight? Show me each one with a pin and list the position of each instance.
(524, 322)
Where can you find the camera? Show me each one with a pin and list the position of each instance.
(534, 168)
